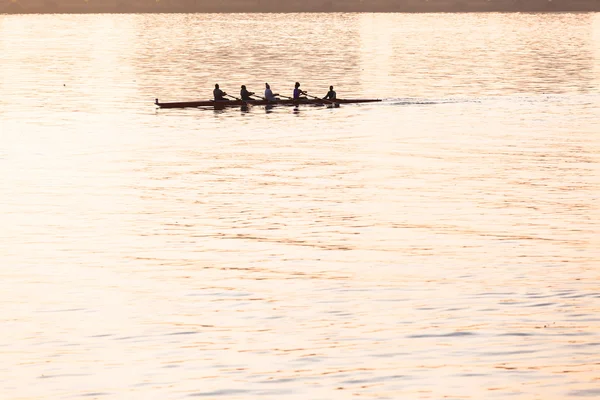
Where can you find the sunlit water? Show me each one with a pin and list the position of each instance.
(441, 244)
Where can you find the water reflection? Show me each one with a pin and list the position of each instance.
(373, 55)
(236, 49)
(468, 54)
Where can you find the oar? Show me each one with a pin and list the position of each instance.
(306, 94)
(245, 101)
(324, 100)
(228, 95)
(269, 101)
(298, 100)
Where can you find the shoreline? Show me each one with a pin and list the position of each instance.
(298, 6)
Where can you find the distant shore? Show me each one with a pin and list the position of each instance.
(277, 6)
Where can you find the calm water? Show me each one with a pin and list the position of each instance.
(444, 243)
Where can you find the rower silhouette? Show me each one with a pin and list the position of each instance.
(219, 94)
(245, 94)
(298, 93)
(331, 94)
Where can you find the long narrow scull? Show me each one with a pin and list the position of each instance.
(238, 103)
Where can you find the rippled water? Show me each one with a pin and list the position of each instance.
(441, 244)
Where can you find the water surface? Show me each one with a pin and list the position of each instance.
(441, 244)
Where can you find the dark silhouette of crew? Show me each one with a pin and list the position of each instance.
(331, 94)
(245, 94)
(219, 94)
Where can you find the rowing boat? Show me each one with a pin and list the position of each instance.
(238, 103)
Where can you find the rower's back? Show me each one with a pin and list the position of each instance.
(245, 94)
(269, 93)
(218, 93)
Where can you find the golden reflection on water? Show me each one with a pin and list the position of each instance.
(443, 243)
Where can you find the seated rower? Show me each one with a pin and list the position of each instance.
(298, 93)
(331, 94)
(269, 95)
(245, 94)
(219, 94)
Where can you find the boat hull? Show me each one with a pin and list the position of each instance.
(239, 103)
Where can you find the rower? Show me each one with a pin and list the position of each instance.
(245, 94)
(298, 92)
(219, 94)
(269, 95)
(331, 94)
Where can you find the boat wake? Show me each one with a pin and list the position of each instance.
(529, 98)
(409, 101)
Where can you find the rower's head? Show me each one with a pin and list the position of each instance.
(330, 87)
(243, 86)
(297, 84)
(267, 86)
(216, 85)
